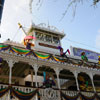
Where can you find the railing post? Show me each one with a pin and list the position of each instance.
(35, 66)
(91, 77)
(76, 74)
(31, 70)
(57, 73)
(10, 63)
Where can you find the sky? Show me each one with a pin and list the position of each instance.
(82, 31)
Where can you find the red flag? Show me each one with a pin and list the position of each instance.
(68, 51)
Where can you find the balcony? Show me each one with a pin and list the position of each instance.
(42, 93)
(19, 62)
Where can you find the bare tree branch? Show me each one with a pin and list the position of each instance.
(73, 4)
(40, 4)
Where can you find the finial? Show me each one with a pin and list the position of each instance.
(20, 26)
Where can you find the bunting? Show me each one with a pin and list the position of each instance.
(66, 97)
(88, 98)
(41, 56)
(58, 59)
(3, 91)
(22, 95)
(79, 95)
(3, 47)
(19, 94)
(20, 51)
(28, 96)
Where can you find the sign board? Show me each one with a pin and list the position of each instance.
(90, 54)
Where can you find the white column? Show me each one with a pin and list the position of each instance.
(76, 74)
(32, 75)
(91, 77)
(57, 73)
(35, 69)
(10, 63)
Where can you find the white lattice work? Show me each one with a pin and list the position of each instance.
(49, 94)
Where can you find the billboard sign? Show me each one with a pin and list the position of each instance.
(90, 54)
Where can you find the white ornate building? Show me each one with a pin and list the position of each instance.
(22, 70)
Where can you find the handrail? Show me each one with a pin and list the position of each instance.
(13, 85)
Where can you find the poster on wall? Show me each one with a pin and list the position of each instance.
(90, 54)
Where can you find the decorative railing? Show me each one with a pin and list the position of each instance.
(28, 93)
(18, 51)
(49, 94)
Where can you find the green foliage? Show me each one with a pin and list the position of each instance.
(74, 4)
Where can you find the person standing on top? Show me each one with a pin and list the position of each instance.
(48, 81)
(62, 53)
(84, 57)
(27, 42)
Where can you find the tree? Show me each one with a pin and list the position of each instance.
(72, 3)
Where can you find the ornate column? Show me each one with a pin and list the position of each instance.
(35, 66)
(76, 76)
(31, 70)
(57, 70)
(10, 63)
(91, 77)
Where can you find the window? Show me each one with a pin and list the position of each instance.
(56, 40)
(48, 38)
(40, 36)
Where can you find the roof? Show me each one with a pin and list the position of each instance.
(49, 30)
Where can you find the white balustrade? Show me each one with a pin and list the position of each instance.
(45, 94)
(70, 93)
(24, 89)
(3, 86)
(49, 94)
(88, 94)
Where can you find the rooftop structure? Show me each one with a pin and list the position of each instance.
(47, 38)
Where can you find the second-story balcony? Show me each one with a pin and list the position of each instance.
(23, 69)
(13, 92)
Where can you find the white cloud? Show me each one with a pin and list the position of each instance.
(98, 39)
(14, 11)
(21, 4)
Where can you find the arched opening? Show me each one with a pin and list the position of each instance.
(48, 77)
(67, 80)
(96, 80)
(84, 82)
(4, 72)
(20, 72)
